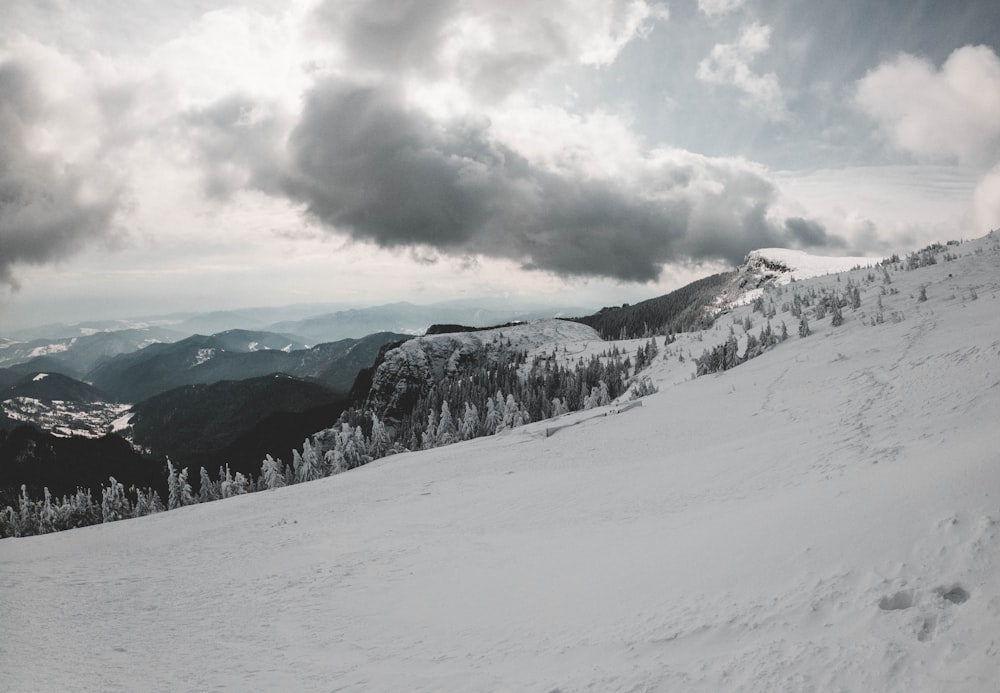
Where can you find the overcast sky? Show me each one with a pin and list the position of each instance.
(203, 154)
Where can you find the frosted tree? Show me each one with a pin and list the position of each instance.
(27, 516)
(429, 439)
(47, 514)
(174, 493)
(241, 484)
(335, 460)
(271, 473)
(114, 504)
(446, 433)
(380, 441)
(469, 427)
(209, 490)
(511, 412)
(178, 488)
(147, 502)
(351, 447)
(225, 482)
(492, 419)
(361, 446)
(308, 466)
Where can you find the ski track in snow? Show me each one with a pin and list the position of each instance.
(825, 517)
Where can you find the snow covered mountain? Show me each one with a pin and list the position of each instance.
(771, 267)
(413, 366)
(75, 356)
(824, 516)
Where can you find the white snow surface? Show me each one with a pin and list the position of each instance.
(40, 376)
(825, 517)
(56, 348)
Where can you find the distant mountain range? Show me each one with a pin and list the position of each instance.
(235, 355)
(76, 356)
(312, 323)
(413, 319)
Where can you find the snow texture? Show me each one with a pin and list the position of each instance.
(825, 517)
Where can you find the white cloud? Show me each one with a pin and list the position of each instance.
(946, 114)
(729, 64)
(714, 8)
(236, 50)
(986, 202)
(884, 208)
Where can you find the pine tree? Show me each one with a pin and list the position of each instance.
(804, 330)
(47, 514)
(308, 465)
(114, 504)
(492, 419)
(429, 439)
(446, 433)
(271, 473)
(241, 484)
(225, 482)
(209, 490)
(838, 318)
(380, 441)
(173, 488)
(470, 423)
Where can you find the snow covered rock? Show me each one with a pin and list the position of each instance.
(411, 369)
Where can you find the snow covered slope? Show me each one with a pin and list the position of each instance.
(823, 517)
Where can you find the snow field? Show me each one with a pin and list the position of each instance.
(824, 517)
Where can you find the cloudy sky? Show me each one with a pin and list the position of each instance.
(205, 154)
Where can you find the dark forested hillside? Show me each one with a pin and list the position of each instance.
(202, 419)
(38, 460)
(682, 310)
(51, 386)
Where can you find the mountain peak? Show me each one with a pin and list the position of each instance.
(785, 264)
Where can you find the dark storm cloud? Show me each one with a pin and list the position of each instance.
(811, 234)
(365, 165)
(48, 207)
(238, 143)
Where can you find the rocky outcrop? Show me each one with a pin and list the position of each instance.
(403, 374)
